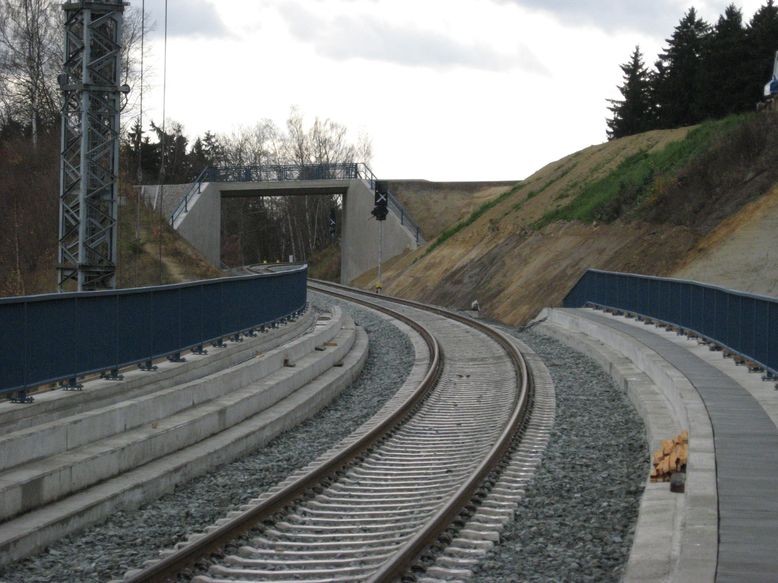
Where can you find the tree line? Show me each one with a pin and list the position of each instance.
(31, 57)
(254, 230)
(704, 72)
(171, 157)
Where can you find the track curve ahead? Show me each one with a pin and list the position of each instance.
(369, 513)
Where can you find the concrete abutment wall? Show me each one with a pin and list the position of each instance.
(201, 224)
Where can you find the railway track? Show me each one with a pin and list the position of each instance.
(369, 511)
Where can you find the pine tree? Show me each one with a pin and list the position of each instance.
(137, 143)
(677, 84)
(212, 148)
(634, 113)
(206, 151)
(725, 81)
(763, 43)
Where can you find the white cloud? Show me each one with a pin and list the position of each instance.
(188, 19)
(655, 17)
(443, 87)
(611, 15)
(363, 36)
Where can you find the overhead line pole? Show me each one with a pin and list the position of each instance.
(89, 155)
(162, 168)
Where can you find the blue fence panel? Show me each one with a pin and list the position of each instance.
(134, 319)
(165, 326)
(51, 344)
(54, 337)
(762, 331)
(720, 307)
(743, 323)
(190, 322)
(232, 306)
(747, 340)
(13, 332)
(212, 305)
(96, 347)
(772, 335)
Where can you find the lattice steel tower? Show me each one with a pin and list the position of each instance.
(89, 162)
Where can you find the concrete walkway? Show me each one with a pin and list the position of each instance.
(746, 445)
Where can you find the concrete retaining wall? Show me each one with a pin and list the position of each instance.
(202, 224)
(359, 243)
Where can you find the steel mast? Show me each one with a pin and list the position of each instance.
(89, 160)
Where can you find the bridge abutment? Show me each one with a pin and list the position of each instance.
(200, 225)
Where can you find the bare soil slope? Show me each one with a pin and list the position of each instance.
(514, 260)
(742, 253)
(437, 205)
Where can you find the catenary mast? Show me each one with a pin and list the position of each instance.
(89, 160)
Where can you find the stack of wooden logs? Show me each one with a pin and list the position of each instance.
(671, 458)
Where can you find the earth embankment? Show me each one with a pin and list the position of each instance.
(693, 202)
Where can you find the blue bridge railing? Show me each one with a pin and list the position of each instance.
(61, 337)
(742, 323)
(292, 172)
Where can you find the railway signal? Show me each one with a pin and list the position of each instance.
(381, 208)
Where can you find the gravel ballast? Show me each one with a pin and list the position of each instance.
(577, 519)
(126, 539)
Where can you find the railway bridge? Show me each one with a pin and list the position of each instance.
(196, 210)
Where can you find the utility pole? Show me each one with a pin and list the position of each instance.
(89, 158)
(379, 285)
(380, 211)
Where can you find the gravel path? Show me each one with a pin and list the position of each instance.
(125, 540)
(577, 519)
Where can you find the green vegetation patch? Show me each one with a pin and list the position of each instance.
(553, 180)
(638, 177)
(474, 216)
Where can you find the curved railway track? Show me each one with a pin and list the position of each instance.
(368, 511)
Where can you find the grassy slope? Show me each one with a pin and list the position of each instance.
(139, 258)
(325, 264)
(638, 204)
(138, 263)
(435, 206)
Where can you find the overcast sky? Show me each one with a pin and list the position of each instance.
(446, 89)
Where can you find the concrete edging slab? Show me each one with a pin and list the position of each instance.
(34, 530)
(677, 535)
(52, 405)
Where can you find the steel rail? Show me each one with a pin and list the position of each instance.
(405, 558)
(169, 566)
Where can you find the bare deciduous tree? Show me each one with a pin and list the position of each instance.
(270, 228)
(31, 55)
(29, 60)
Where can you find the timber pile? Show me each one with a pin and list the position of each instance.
(671, 458)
